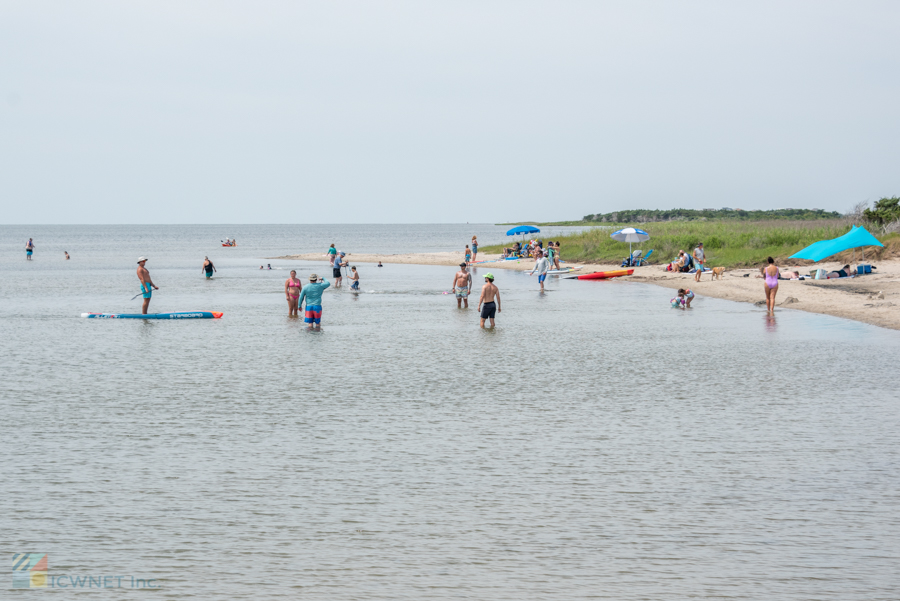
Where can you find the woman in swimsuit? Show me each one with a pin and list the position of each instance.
(292, 288)
(474, 249)
(208, 267)
(771, 284)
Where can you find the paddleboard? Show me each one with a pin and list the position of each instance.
(183, 315)
(602, 275)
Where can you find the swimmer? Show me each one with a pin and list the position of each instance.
(685, 296)
(292, 287)
(379, 264)
(29, 249)
(208, 267)
(488, 292)
(269, 265)
(146, 283)
(354, 277)
(462, 285)
(261, 267)
(67, 255)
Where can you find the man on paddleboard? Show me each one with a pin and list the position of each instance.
(147, 285)
(312, 294)
(462, 285)
(488, 292)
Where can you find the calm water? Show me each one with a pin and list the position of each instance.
(597, 444)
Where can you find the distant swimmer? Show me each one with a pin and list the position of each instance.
(29, 249)
(379, 264)
(292, 287)
(336, 263)
(354, 277)
(312, 294)
(146, 283)
(474, 249)
(208, 267)
(462, 286)
(541, 266)
(67, 255)
(268, 265)
(488, 292)
(261, 267)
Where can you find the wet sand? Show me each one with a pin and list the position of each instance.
(872, 299)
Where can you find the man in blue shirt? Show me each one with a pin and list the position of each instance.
(312, 294)
(336, 265)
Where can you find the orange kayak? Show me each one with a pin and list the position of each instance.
(602, 275)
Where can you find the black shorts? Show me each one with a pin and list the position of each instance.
(488, 310)
(336, 272)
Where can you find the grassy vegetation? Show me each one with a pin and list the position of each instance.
(727, 243)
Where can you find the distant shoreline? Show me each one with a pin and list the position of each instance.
(846, 298)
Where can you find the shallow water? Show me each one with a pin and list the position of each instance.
(596, 444)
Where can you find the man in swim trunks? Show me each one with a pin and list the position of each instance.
(336, 263)
(147, 285)
(541, 266)
(354, 277)
(462, 284)
(312, 294)
(29, 249)
(488, 292)
(208, 267)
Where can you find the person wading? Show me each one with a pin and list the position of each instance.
(208, 267)
(488, 293)
(462, 285)
(147, 285)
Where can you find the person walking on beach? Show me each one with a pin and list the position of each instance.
(771, 284)
(488, 293)
(331, 252)
(462, 285)
(699, 260)
(208, 267)
(29, 249)
(353, 276)
(474, 249)
(312, 294)
(292, 287)
(336, 265)
(147, 285)
(541, 266)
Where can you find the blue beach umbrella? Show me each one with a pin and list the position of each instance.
(523, 229)
(629, 235)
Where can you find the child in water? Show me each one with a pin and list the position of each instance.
(354, 277)
(685, 296)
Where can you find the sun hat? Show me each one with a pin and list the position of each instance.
(313, 277)
(342, 253)
(489, 276)
(142, 259)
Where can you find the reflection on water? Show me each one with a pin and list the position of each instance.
(770, 322)
(596, 443)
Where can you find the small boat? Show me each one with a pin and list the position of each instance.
(223, 244)
(183, 315)
(602, 275)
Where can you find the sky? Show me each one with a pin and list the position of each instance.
(451, 112)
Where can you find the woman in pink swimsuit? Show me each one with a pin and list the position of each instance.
(292, 292)
(771, 284)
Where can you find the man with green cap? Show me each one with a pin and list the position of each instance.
(488, 292)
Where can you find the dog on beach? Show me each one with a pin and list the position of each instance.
(718, 272)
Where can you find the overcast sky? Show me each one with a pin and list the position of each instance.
(425, 111)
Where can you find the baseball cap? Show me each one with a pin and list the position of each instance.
(142, 259)
(489, 276)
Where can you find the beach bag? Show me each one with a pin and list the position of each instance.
(821, 274)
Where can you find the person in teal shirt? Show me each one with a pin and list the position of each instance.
(312, 294)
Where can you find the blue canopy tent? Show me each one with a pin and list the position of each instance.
(855, 238)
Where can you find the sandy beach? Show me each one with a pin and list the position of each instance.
(873, 299)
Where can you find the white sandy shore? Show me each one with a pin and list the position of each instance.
(873, 299)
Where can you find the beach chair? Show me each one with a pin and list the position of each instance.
(641, 261)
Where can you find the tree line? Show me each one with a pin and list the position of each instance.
(654, 215)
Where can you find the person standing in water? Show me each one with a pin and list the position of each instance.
(541, 266)
(312, 294)
(292, 287)
(771, 284)
(474, 249)
(336, 265)
(147, 285)
(468, 255)
(353, 276)
(65, 252)
(208, 267)
(462, 284)
(29, 249)
(488, 293)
